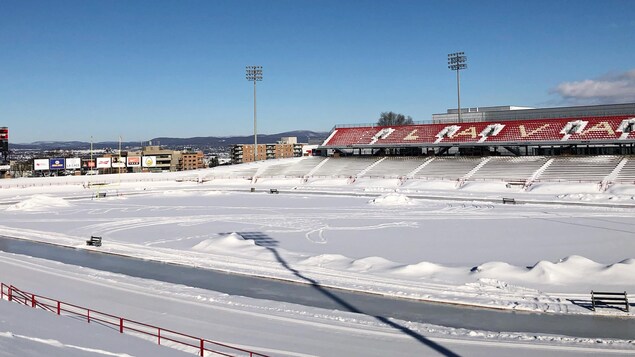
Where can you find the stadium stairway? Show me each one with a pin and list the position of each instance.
(369, 167)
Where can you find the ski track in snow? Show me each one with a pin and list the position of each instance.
(174, 222)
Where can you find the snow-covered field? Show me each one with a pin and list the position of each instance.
(373, 235)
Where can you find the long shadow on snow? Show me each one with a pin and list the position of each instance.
(263, 240)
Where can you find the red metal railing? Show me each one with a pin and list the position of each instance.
(163, 336)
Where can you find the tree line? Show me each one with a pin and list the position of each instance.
(392, 118)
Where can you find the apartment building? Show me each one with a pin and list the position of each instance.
(287, 147)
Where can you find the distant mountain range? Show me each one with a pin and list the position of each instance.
(304, 136)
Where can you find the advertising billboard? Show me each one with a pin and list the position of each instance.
(149, 161)
(4, 133)
(57, 164)
(73, 163)
(41, 164)
(103, 162)
(118, 161)
(134, 161)
(88, 163)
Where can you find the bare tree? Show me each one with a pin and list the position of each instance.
(391, 118)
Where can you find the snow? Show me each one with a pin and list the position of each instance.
(39, 203)
(391, 199)
(421, 239)
(38, 338)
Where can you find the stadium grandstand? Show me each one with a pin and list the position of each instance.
(517, 147)
(521, 172)
(496, 131)
(514, 146)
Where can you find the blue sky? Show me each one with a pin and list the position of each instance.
(70, 70)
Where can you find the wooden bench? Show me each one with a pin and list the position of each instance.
(515, 183)
(509, 200)
(273, 190)
(94, 241)
(603, 298)
(100, 195)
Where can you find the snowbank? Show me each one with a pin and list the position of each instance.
(391, 199)
(39, 203)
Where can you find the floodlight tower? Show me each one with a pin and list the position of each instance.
(456, 62)
(254, 74)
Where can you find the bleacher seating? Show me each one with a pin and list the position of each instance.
(514, 131)
(467, 132)
(600, 129)
(582, 169)
(411, 134)
(292, 168)
(395, 167)
(531, 130)
(448, 168)
(509, 168)
(353, 136)
(344, 166)
(627, 174)
(513, 170)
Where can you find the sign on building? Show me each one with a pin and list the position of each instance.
(73, 163)
(149, 161)
(103, 162)
(41, 164)
(88, 163)
(118, 161)
(57, 164)
(134, 161)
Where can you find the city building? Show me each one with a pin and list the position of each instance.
(190, 160)
(287, 147)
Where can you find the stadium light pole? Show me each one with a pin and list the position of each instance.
(456, 62)
(254, 74)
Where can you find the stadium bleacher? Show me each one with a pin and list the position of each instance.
(395, 167)
(448, 168)
(580, 169)
(520, 131)
(344, 166)
(373, 151)
(600, 169)
(627, 173)
(510, 168)
(299, 169)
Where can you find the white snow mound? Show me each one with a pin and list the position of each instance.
(420, 269)
(572, 268)
(214, 193)
(391, 199)
(39, 203)
(231, 241)
(371, 263)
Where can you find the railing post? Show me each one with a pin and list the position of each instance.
(88, 315)
(121, 325)
(33, 300)
(2, 291)
(59, 307)
(159, 334)
(10, 293)
(202, 348)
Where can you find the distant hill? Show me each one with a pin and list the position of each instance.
(304, 136)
